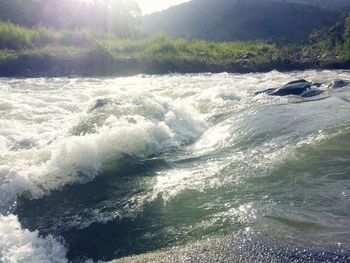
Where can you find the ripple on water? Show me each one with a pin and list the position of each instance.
(158, 161)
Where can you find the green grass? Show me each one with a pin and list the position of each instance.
(15, 37)
(87, 52)
(163, 47)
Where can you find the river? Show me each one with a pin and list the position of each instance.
(104, 168)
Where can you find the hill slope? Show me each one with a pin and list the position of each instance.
(225, 20)
(333, 4)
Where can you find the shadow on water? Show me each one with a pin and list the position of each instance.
(97, 219)
(107, 218)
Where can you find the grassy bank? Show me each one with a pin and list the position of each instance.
(44, 52)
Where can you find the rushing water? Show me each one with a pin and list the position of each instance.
(106, 168)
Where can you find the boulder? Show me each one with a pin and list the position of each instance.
(338, 83)
(297, 87)
(304, 88)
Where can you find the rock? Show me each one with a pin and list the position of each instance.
(297, 87)
(325, 55)
(338, 83)
(267, 91)
(100, 103)
(304, 88)
(248, 56)
(311, 92)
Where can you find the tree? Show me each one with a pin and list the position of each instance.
(119, 17)
(347, 37)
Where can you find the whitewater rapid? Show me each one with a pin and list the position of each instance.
(204, 139)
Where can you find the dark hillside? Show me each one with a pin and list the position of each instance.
(225, 20)
(332, 4)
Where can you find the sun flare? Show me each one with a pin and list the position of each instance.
(150, 6)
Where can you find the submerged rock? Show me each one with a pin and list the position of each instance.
(297, 87)
(99, 104)
(303, 88)
(338, 83)
(311, 92)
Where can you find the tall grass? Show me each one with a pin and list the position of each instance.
(162, 46)
(15, 37)
(86, 51)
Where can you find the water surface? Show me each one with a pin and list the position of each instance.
(106, 168)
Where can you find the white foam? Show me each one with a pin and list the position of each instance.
(51, 134)
(152, 127)
(144, 116)
(11, 183)
(22, 246)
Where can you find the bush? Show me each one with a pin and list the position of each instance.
(14, 37)
(346, 37)
(161, 45)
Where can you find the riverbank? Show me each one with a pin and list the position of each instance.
(43, 52)
(85, 62)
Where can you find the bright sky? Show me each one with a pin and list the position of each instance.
(150, 6)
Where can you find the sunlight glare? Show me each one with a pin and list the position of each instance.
(150, 6)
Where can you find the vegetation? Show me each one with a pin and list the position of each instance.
(332, 4)
(118, 17)
(71, 45)
(248, 20)
(346, 38)
(335, 39)
(42, 51)
(47, 51)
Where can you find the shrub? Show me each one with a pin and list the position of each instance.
(14, 37)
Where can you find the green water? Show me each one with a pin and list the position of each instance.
(117, 167)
